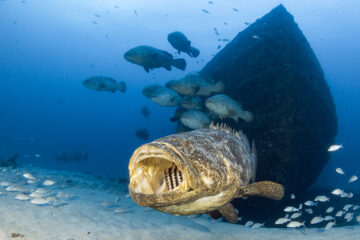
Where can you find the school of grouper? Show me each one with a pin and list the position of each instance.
(191, 92)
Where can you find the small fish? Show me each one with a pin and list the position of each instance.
(349, 216)
(291, 209)
(4, 184)
(249, 223)
(14, 189)
(292, 196)
(22, 197)
(333, 148)
(344, 195)
(205, 11)
(350, 195)
(48, 183)
(309, 210)
(235, 10)
(135, 12)
(39, 201)
(97, 15)
(142, 133)
(257, 225)
(282, 221)
(300, 206)
(347, 207)
(316, 220)
(358, 219)
(340, 171)
(329, 209)
(353, 179)
(225, 23)
(339, 213)
(287, 216)
(145, 112)
(216, 31)
(310, 203)
(94, 22)
(295, 224)
(329, 225)
(295, 215)
(37, 155)
(210, 2)
(337, 192)
(321, 198)
(28, 176)
(356, 207)
(255, 37)
(329, 218)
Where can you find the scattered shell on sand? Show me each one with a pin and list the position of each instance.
(22, 197)
(31, 181)
(48, 183)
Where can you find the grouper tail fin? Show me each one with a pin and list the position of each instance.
(179, 63)
(193, 52)
(121, 86)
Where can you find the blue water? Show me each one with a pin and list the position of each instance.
(47, 48)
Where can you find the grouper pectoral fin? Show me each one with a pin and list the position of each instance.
(229, 212)
(265, 189)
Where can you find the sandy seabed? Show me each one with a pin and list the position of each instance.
(81, 206)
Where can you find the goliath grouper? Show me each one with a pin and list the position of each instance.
(180, 42)
(150, 57)
(197, 172)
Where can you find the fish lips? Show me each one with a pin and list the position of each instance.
(167, 153)
(132, 56)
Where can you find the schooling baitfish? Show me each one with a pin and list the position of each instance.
(197, 172)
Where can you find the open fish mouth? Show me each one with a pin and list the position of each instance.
(155, 169)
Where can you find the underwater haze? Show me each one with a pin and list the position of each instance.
(55, 123)
(49, 47)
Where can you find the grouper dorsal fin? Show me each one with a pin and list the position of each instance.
(265, 189)
(238, 134)
(229, 212)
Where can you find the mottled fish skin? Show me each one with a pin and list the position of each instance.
(150, 58)
(215, 162)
